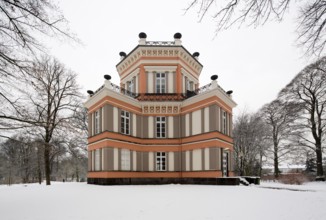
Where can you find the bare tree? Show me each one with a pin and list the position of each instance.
(22, 23)
(278, 117)
(249, 143)
(52, 102)
(311, 17)
(309, 89)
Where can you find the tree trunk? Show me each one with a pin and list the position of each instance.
(47, 163)
(276, 170)
(39, 173)
(319, 157)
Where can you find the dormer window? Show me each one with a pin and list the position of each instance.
(160, 83)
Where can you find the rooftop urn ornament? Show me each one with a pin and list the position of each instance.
(107, 77)
(90, 93)
(196, 55)
(177, 36)
(214, 77)
(142, 38)
(229, 92)
(107, 82)
(122, 55)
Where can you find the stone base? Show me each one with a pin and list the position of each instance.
(158, 181)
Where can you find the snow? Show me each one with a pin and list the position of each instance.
(79, 201)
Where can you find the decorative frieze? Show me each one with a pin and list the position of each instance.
(161, 52)
(161, 109)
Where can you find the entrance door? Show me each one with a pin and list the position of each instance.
(225, 164)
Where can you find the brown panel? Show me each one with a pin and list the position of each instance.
(119, 159)
(90, 124)
(154, 161)
(183, 161)
(105, 117)
(190, 124)
(139, 126)
(202, 120)
(213, 158)
(213, 118)
(230, 160)
(105, 159)
(145, 161)
(177, 161)
(139, 159)
(119, 120)
(176, 126)
(145, 126)
(219, 156)
(183, 126)
(203, 159)
(109, 118)
(131, 160)
(89, 160)
(110, 158)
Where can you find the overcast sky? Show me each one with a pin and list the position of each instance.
(254, 63)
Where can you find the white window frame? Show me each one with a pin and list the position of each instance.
(224, 122)
(125, 122)
(160, 126)
(97, 158)
(97, 122)
(160, 83)
(161, 161)
(125, 159)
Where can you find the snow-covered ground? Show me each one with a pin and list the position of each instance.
(79, 201)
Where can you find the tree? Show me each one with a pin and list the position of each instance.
(249, 143)
(22, 23)
(279, 116)
(53, 101)
(311, 17)
(308, 88)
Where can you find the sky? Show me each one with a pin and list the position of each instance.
(256, 63)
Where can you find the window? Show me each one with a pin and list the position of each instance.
(97, 122)
(125, 159)
(160, 161)
(189, 85)
(97, 159)
(224, 123)
(160, 127)
(160, 82)
(130, 85)
(125, 119)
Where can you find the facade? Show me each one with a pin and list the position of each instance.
(159, 126)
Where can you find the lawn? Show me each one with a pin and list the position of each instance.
(79, 201)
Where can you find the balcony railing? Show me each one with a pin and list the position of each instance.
(160, 43)
(159, 96)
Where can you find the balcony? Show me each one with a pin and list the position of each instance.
(160, 96)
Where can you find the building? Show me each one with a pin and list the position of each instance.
(159, 126)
